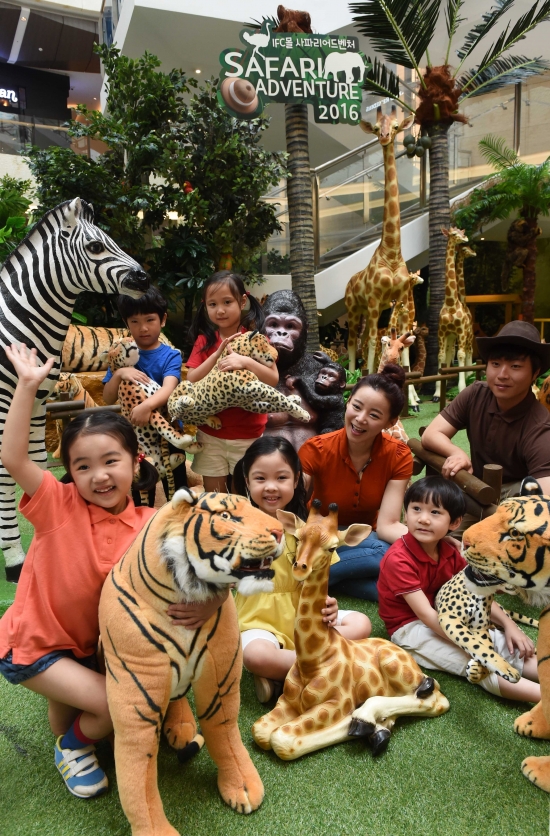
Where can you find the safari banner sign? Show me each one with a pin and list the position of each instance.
(323, 70)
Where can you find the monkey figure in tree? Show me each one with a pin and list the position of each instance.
(300, 372)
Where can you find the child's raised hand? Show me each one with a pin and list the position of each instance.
(25, 363)
(330, 611)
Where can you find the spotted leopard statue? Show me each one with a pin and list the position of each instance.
(153, 438)
(512, 547)
(199, 402)
(463, 607)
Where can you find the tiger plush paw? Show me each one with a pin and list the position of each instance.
(533, 724)
(241, 789)
(537, 770)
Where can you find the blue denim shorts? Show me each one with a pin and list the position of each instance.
(17, 674)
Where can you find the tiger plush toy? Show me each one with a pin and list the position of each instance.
(70, 386)
(464, 612)
(85, 348)
(199, 402)
(153, 437)
(191, 550)
(512, 547)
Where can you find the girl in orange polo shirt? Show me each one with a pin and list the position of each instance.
(366, 473)
(83, 526)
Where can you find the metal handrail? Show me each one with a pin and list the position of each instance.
(366, 171)
(346, 156)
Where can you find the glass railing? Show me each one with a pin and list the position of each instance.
(349, 190)
(17, 132)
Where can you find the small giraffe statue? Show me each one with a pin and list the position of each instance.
(414, 279)
(421, 333)
(454, 314)
(386, 277)
(338, 687)
(392, 348)
(464, 251)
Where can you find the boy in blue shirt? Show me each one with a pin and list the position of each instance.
(145, 317)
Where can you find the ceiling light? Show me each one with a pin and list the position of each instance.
(23, 18)
(482, 238)
(95, 98)
(198, 72)
(40, 49)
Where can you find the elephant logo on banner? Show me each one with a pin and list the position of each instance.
(346, 62)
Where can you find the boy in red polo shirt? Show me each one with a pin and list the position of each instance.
(412, 572)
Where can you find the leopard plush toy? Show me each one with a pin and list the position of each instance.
(512, 547)
(464, 610)
(191, 550)
(199, 402)
(153, 437)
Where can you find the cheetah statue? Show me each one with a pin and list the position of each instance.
(463, 607)
(153, 438)
(199, 402)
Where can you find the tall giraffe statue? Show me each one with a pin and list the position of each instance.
(414, 279)
(464, 251)
(386, 277)
(454, 314)
(338, 687)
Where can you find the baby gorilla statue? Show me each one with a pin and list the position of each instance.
(326, 394)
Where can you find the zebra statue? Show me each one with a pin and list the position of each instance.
(63, 255)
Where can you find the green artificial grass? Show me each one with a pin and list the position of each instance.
(454, 775)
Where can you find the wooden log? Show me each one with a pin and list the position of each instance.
(72, 410)
(456, 369)
(492, 475)
(418, 465)
(474, 487)
(62, 406)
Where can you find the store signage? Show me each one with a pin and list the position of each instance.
(9, 95)
(323, 70)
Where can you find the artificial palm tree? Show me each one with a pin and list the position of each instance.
(402, 32)
(518, 187)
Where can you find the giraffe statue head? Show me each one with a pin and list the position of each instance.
(386, 126)
(467, 252)
(416, 278)
(453, 233)
(319, 537)
(392, 347)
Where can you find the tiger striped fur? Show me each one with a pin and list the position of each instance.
(191, 550)
(63, 255)
(85, 348)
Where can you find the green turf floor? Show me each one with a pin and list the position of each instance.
(457, 775)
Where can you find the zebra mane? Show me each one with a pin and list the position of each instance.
(87, 214)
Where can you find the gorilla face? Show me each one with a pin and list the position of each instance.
(329, 381)
(283, 331)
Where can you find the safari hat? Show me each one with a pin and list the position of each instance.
(519, 333)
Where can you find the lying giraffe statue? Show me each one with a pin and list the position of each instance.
(338, 687)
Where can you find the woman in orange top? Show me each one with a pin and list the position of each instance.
(366, 473)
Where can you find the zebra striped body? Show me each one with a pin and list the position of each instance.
(63, 255)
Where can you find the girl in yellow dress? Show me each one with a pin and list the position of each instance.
(270, 474)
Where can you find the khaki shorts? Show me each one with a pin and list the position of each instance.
(220, 455)
(437, 654)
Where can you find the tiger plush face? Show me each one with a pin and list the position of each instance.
(512, 547)
(218, 539)
(67, 384)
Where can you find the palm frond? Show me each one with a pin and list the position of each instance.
(502, 72)
(497, 153)
(378, 79)
(401, 30)
(488, 20)
(508, 38)
(453, 20)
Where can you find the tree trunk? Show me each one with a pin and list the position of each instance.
(300, 214)
(439, 215)
(530, 273)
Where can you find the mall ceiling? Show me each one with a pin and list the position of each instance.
(35, 38)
